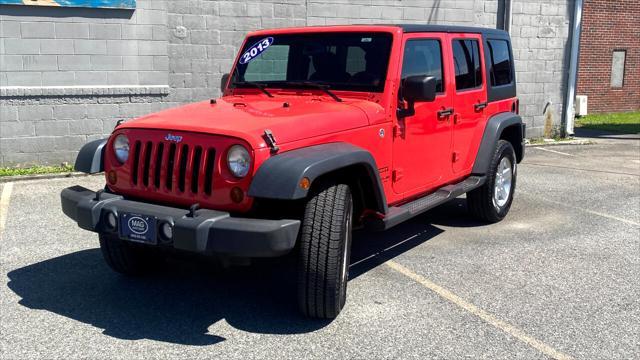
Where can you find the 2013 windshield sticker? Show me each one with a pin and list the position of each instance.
(255, 50)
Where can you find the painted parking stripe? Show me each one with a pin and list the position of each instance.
(552, 151)
(580, 169)
(4, 205)
(612, 217)
(482, 314)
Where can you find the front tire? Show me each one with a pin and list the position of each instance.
(325, 249)
(491, 202)
(124, 257)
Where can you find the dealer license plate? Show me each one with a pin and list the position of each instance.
(138, 228)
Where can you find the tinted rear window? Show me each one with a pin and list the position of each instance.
(501, 63)
(466, 57)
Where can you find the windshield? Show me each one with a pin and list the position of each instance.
(340, 61)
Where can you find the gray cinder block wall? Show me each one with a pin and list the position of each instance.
(67, 75)
(540, 34)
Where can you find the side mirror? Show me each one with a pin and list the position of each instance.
(419, 88)
(223, 82)
(416, 88)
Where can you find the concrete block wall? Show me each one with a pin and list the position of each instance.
(540, 33)
(80, 46)
(67, 75)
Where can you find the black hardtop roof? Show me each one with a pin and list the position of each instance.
(417, 28)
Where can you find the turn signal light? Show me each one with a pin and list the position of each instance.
(112, 177)
(237, 195)
(305, 183)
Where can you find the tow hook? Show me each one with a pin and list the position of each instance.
(192, 210)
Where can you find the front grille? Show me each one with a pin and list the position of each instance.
(173, 167)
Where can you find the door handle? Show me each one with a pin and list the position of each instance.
(444, 113)
(480, 106)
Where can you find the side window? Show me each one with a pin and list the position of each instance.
(500, 63)
(466, 59)
(423, 57)
(271, 65)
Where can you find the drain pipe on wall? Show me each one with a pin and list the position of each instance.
(569, 113)
(503, 18)
(507, 16)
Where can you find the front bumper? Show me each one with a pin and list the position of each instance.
(208, 232)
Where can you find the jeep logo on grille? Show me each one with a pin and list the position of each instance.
(174, 138)
(138, 225)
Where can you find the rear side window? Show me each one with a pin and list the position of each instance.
(500, 62)
(423, 57)
(466, 58)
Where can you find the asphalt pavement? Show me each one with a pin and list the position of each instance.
(558, 278)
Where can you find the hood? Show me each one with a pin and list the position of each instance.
(289, 118)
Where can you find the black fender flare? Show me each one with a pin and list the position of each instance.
(90, 158)
(279, 176)
(492, 133)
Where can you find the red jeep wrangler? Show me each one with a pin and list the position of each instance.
(319, 130)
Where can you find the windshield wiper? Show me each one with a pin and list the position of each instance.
(323, 87)
(257, 85)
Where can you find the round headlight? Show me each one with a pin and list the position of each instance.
(121, 148)
(239, 161)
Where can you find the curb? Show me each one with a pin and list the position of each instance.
(568, 142)
(6, 179)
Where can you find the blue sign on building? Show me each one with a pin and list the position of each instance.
(114, 4)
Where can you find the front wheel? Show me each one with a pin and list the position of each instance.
(491, 202)
(325, 248)
(127, 258)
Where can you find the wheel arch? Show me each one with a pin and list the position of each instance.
(504, 126)
(513, 134)
(90, 159)
(279, 177)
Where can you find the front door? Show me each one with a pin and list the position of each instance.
(422, 142)
(470, 99)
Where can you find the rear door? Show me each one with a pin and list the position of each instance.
(470, 99)
(422, 142)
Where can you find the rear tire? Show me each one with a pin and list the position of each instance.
(124, 257)
(491, 202)
(325, 249)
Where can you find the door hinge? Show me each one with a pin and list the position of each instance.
(455, 156)
(396, 175)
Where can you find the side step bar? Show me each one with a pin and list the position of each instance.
(401, 213)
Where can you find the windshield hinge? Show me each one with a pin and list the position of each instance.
(271, 140)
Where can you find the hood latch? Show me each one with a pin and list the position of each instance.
(271, 140)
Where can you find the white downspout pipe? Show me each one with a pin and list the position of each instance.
(569, 113)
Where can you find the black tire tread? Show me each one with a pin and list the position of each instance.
(122, 257)
(321, 246)
(480, 200)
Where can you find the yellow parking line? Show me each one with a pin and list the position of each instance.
(482, 314)
(4, 205)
